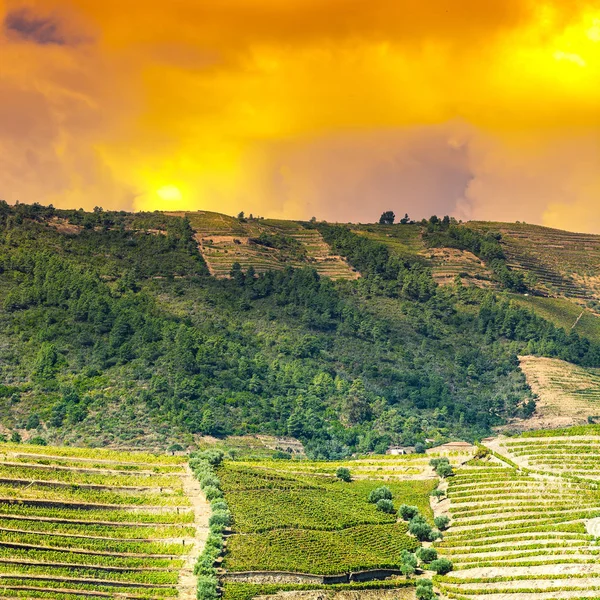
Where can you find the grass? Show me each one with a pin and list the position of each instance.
(67, 528)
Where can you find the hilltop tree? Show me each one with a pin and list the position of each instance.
(387, 218)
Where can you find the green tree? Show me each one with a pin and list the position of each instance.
(387, 218)
(343, 473)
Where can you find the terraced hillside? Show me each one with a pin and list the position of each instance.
(374, 467)
(526, 533)
(89, 523)
(567, 394)
(564, 263)
(445, 263)
(264, 244)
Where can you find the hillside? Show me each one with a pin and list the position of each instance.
(114, 332)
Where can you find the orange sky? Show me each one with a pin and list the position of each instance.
(292, 108)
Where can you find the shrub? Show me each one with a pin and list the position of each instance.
(407, 512)
(420, 528)
(213, 457)
(218, 504)
(435, 534)
(441, 566)
(444, 470)
(408, 563)
(425, 590)
(380, 493)
(38, 441)
(427, 555)
(343, 473)
(482, 452)
(16, 438)
(442, 522)
(439, 494)
(386, 506)
(279, 455)
(212, 493)
(207, 587)
(419, 448)
(209, 480)
(442, 466)
(220, 518)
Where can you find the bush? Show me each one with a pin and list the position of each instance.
(279, 455)
(213, 457)
(220, 518)
(442, 466)
(16, 438)
(218, 504)
(442, 522)
(420, 448)
(38, 441)
(441, 566)
(343, 473)
(209, 480)
(435, 534)
(444, 470)
(408, 563)
(482, 452)
(212, 493)
(386, 506)
(439, 494)
(380, 493)
(425, 590)
(207, 587)
(420, 528)
(407, 512)
(427, 555)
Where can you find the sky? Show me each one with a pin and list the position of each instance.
(338, 109)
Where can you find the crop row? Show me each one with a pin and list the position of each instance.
(322, 552)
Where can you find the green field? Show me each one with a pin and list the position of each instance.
(80, 523)
(311, 523)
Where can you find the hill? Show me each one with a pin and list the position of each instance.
(113, 331)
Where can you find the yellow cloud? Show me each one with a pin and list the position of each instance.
(251, 104)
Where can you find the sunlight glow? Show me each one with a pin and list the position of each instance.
(169, 193)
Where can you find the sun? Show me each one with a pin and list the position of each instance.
(169, 193)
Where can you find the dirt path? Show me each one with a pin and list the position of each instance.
(201, 507)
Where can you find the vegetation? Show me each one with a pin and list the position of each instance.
(91, 529)
(316, 523)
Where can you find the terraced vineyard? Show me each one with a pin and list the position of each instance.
(225, 240)
(564, 263)
(568, 394)
(376, 467)
(83, 523)
(526, 533)
(311, 523)
(445, 263)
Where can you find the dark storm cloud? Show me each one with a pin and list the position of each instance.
(29, 27)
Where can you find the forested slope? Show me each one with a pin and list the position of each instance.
(113, 332)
